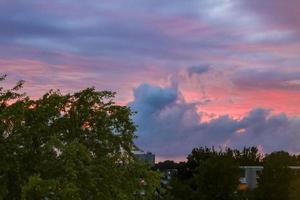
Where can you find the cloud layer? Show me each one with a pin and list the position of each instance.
(170, 127)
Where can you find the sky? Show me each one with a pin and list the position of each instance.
(222, 73)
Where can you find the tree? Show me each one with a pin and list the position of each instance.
(275, 180)
(68, 146)
(217, 178)
(294, 190)
(248, 156)
(208, 174)
(165, 165)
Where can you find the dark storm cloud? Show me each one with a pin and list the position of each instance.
(169, 126)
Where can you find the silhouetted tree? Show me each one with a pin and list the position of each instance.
(294, 190)
(249, 156)
(275, 180)
(165, 165)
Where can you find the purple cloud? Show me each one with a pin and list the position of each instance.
(269, 79)
(169, 126)
(284, 14)
(200, 69)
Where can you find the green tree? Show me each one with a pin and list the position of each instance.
(217, 178)
(69, 146)
(208, 174)
(275, 180)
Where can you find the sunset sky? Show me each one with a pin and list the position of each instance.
(198, 72)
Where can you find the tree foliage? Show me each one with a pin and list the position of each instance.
(294, 190)
(275, 180)
(212, 174)
(68, 146)
(207, 174)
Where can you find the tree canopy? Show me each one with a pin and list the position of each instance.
(276, 178)
(69, 146)
(213, 174)
(207, 174)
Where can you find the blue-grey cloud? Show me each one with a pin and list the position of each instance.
(199, 69)
(169, 126)
(178, 34)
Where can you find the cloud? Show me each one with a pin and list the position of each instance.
(284, 14)
(267, 79)
(169, 126)
(178, 34)
(200, 69)
(151, 98)
(158, 108)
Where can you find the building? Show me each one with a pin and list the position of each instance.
(148, 158)
(251, 175)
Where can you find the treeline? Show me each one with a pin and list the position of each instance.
(210, 174)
